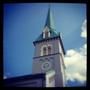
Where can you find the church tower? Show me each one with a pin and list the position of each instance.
(49, 52)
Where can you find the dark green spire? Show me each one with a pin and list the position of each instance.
(49, 20)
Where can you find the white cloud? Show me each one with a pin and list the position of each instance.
(76, 76)
(76, 61)
(84, 29)
(75, 65)
(84, 49)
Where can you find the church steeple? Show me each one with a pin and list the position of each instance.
(49, 32)
(49, 20)
(49, 54)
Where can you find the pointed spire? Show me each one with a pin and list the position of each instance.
(49, 5)
(49, 20)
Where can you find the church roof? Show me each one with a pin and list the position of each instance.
(26, 80)
(52, 35)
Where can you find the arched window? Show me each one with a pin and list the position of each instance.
(49, 49)
(44, 51)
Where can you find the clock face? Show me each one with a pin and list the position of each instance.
(46, 65)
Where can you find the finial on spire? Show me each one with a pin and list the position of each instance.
(49, 5)
(49, 20)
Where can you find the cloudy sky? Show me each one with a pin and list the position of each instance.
(24, 22)
(75, 59)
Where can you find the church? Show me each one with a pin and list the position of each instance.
(48, 69)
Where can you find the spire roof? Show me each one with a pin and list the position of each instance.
(50, 24)
(49, 20)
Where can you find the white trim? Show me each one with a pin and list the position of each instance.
(43, 34)
(49, 34)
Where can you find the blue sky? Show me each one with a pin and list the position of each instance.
(24, 22)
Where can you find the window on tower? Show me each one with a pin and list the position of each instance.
(49, 49)
(44, 51)
(46, 34)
